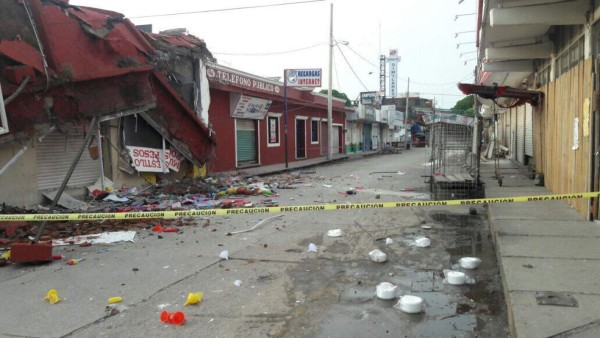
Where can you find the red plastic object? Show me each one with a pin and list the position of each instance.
(174, 318)
(30, 252)
(171, 230)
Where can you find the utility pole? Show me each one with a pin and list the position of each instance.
(329, 96)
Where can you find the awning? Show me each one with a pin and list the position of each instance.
(519, 96)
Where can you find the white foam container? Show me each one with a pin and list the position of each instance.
(422, 242)
(378, 256)
(410, 304)
(469, 262)
(386, 290)
(455, 277)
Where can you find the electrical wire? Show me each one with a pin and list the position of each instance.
(272, 53)
(352, 69)
(337, 77)
(225, 9)
(362, 57)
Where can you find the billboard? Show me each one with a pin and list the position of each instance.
(303, 77)
(248, 107)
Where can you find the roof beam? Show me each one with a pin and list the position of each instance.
(562, 13)
(525, 52)
(509, 66)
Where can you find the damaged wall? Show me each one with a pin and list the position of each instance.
(19, 175)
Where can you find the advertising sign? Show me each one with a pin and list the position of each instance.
(152, 159)
(238, 79)
(393, 60)
(248, 107)
(367, 98)
(303, 77)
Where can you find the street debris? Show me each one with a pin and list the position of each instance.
(410, 304)
(334, 233)
(101, 238)
(224, 255)
(422, 242)
(254, 227)
(389, 241)
(555, 298)
(386, 290)
(237, 282)
(74, 261)
(469, 262)
(173, 318)
(312, 247)
(114, 300)
(52, 296)
(193, 298)
(378, 256)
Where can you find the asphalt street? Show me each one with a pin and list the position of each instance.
(271, 285)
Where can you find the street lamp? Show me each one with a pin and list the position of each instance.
(329, 96)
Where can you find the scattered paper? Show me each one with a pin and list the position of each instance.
(388, 241)
(115, 198)
(224, 254)
(312, 247)
(237, 282)
(102, 238)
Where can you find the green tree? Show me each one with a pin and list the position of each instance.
(337, 94)
(464, 106)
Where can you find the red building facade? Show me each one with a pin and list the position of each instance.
(247, 114)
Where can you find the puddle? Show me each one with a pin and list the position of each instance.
(338, 298)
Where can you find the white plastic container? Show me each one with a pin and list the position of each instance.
(410, 304)
(455, 277)
(378, 256)
(386, 290)
(422, 242)
(469, 262)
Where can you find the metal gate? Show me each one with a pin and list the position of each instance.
(245, 142)
(56, 153)
(520, 111)
(528, 130)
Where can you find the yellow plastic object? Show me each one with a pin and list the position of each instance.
(52, 296)
(199, 172)
(149, 177)
(113, 300)
(193, 298)
(6, 255)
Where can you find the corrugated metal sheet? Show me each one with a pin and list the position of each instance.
(245, 141)
(512, 130)
(528, 130)
(56, 153)
(521, 134)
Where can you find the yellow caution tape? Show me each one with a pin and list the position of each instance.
(293, 208)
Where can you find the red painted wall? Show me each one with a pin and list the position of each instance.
(224, 127)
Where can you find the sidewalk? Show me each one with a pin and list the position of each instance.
(302, 164)
(543, 247)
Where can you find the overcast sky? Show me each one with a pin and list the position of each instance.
(265, 41)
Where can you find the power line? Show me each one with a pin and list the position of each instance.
(352, 69)
(226, 9)
(362, 57)
(272, 53)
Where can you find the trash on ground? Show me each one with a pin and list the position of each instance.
(388, 241)
(334, 233)
(454, 277)
(224, 255)
(173, 318)
(74, 261)
(386, 290)
(254, 227)
(193, 298)
(410, 304)
(469, 262)
(422, 242)
(115, 198)
(102, 238)
(426, 227)
(378, 256)
(237, 282)
(52, 296)
(114, 300)
(159, 228)
(327, 185)
(312, 247)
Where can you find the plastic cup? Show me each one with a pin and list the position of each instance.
(177, 318)
(52, 296)
(174, 318)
